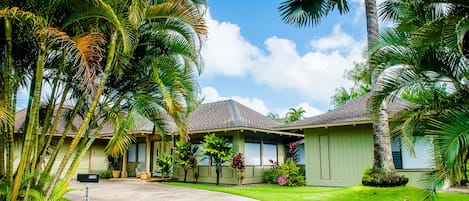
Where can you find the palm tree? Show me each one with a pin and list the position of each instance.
(360, 76)
(180, 16)
(294, 114)
(422, 57)
(310, 12)
(272, 116)
(77, 65)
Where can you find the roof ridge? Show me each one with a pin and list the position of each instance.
(235, 112)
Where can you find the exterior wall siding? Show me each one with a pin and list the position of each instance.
(98, 157)
(337, 156)
(417, 177)
(83, 167)
(253, 174)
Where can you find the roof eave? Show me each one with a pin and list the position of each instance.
(348, 123)
(247, 128)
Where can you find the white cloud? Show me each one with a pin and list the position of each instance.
(309, 110)
(314, 76)
(226, 52)
(211, 94)
(338, 40)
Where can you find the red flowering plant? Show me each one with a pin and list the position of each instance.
(238, 164)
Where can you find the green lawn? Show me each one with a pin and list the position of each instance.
(359, 193)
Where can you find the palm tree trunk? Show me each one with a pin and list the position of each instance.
(55, 123)
(49, 111)
(82, 151)
(371, 21)
(107, 71)
(383, 162)
(59, 144)
(11, 142)
(33, 116)
(7, 74)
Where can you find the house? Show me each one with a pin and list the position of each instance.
(339, 146)
(248, 131)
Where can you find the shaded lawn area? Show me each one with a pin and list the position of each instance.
(359, 193)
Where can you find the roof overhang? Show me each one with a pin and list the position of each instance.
(349, 123)
(275, 132)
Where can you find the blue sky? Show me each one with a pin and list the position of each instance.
(252, 57)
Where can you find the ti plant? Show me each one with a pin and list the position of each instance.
(238, 164)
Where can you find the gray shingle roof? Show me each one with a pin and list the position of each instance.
(228, 114)
(20, 118)
(208, 117)
(350, 113)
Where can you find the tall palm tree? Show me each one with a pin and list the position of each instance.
(422, 55)
(125, 21)
(76, 65)
(311, 12)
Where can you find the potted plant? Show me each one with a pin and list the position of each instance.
(114, 165)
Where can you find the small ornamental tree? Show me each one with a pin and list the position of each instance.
(218, 149)
(238, 164)
(186, 157)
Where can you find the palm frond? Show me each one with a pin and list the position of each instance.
(304, 13)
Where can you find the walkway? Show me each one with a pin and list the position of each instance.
(125, 190)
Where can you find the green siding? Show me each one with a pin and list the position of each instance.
(337, 156)
(324, 162)
(253, 174)
(417, 178)
(281, 154)
(99, 157)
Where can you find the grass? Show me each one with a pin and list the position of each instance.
(275, 192)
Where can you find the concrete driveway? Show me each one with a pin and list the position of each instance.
(124, 190)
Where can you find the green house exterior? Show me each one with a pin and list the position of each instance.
(94, 161)
(339, 146)
(242, 126)
(253, 173)
(229, 119)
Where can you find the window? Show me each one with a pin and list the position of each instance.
(132, 153)
(269, 153)
(226, 163)
(300, 153)
(201, 158)
(252, 153)
(396, 153)
(142, 148)
(137, 153)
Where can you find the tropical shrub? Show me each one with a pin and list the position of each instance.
(218, 149)
(105, 174)
(238, 164)
(270, 176)
(186, 157)
(371, 178)
(164, 164)
(287, 174)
